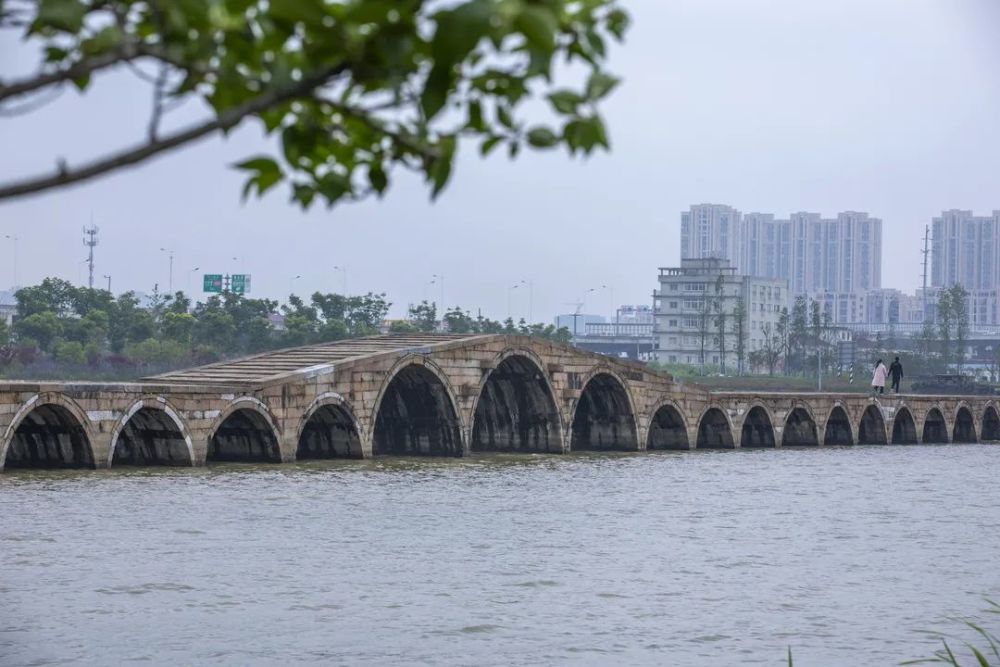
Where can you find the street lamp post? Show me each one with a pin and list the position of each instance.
(191, 273)
(343, 270)
(611, 288)
(14, 239)
(440, 281)
(291, 285)
(170, 276)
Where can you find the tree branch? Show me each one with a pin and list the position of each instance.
(129, 156)
(82, 68)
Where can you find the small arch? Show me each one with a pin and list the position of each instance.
(714, 430)
(965, 426)
(328, 431)
(935, 431)
(416, 416)
(150, 434)
(49, 433)
(990, 430)
(603, 418)
(757, 429)
(904, 429)
(245, 435)
(871, 428)
(800, 429)
(516, 410)
(667, 429)
(838, 429)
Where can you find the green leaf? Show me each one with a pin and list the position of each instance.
(436, 90)
(440, 170)
(503, 115)
(476, 117)
(600, 84)
(539, 26)
(377, 177)
(259, 164)
(565, 101)
(81, 82)
(65, 15)
(542, 137)
(487, 146)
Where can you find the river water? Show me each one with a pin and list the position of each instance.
(679, 558)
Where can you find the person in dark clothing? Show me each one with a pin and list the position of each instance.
(896, 373)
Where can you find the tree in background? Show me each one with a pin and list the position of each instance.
(798, 335)
(704, 326)
(719, 307)
(351, 90)
(739, 331)
(960, 316)
(423, 316)
(944, 322)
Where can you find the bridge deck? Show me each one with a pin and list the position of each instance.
(269, 365)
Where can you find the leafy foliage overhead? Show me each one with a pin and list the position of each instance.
(352, 89)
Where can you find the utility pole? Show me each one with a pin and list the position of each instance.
(926, 252)
(90, 240)
(170, 278)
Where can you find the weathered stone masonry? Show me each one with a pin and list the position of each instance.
(441, 395)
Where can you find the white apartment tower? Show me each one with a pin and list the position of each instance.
(966, 250)
(711, 231)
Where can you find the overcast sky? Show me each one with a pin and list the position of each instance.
(885, 106)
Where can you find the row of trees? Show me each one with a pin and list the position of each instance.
(59, 324)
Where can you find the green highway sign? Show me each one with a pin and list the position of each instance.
(240, 283)
(212, 282)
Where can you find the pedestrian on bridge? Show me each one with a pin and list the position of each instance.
(878, 378)
(896, 373)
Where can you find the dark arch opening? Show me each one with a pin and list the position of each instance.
(329, 433)
(516, 411)
(667, 430)
(151, 438)
(49, 437)
(871, 430)
(991, 425)
(965, 426)
(244, 436)
(800, 429)
(904, 430)
(603, 418)
(714, 431)
(838, 428)
(757, 429)
(416, 417)
(935, 430)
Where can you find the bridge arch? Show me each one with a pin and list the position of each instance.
(515, 408)
(328, 429)
(904, 428)
(757, 429)
(48, 431)
(416, 413)
(964, 428)
(990, 430)
(715, 429)
(667, 428)
(871, 426)
(244, 432)
(837, 427)
(151, 433)
(800, 428)
(604, 415)
(934, 428)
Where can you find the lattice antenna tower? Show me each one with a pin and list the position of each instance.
(90, 240)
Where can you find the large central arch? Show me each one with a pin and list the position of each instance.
(151, 436)
(49, 435)
(904, 430)
(516, 411)
(667, 429)
(329, 431)
(246, 436)
(416, 416)
(935, 431)
(800, 429)
(838, 429)
(965, 426)
(603, 419)
(871, 428)
(757, 429)
(714, 430)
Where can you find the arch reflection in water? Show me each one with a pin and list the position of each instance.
(516, 411)
(603, 419)
(151, 437)
(417, 416)
(49, 436)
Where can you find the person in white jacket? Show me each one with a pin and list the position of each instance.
(878, 378)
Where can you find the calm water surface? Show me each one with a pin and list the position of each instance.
(689, 558)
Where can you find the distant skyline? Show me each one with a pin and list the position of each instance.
(884, 107)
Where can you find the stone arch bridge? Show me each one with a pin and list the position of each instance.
(445, 395)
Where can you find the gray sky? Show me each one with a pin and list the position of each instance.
(885, 106)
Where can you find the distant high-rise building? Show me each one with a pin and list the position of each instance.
(966, 250)
(812, 253)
